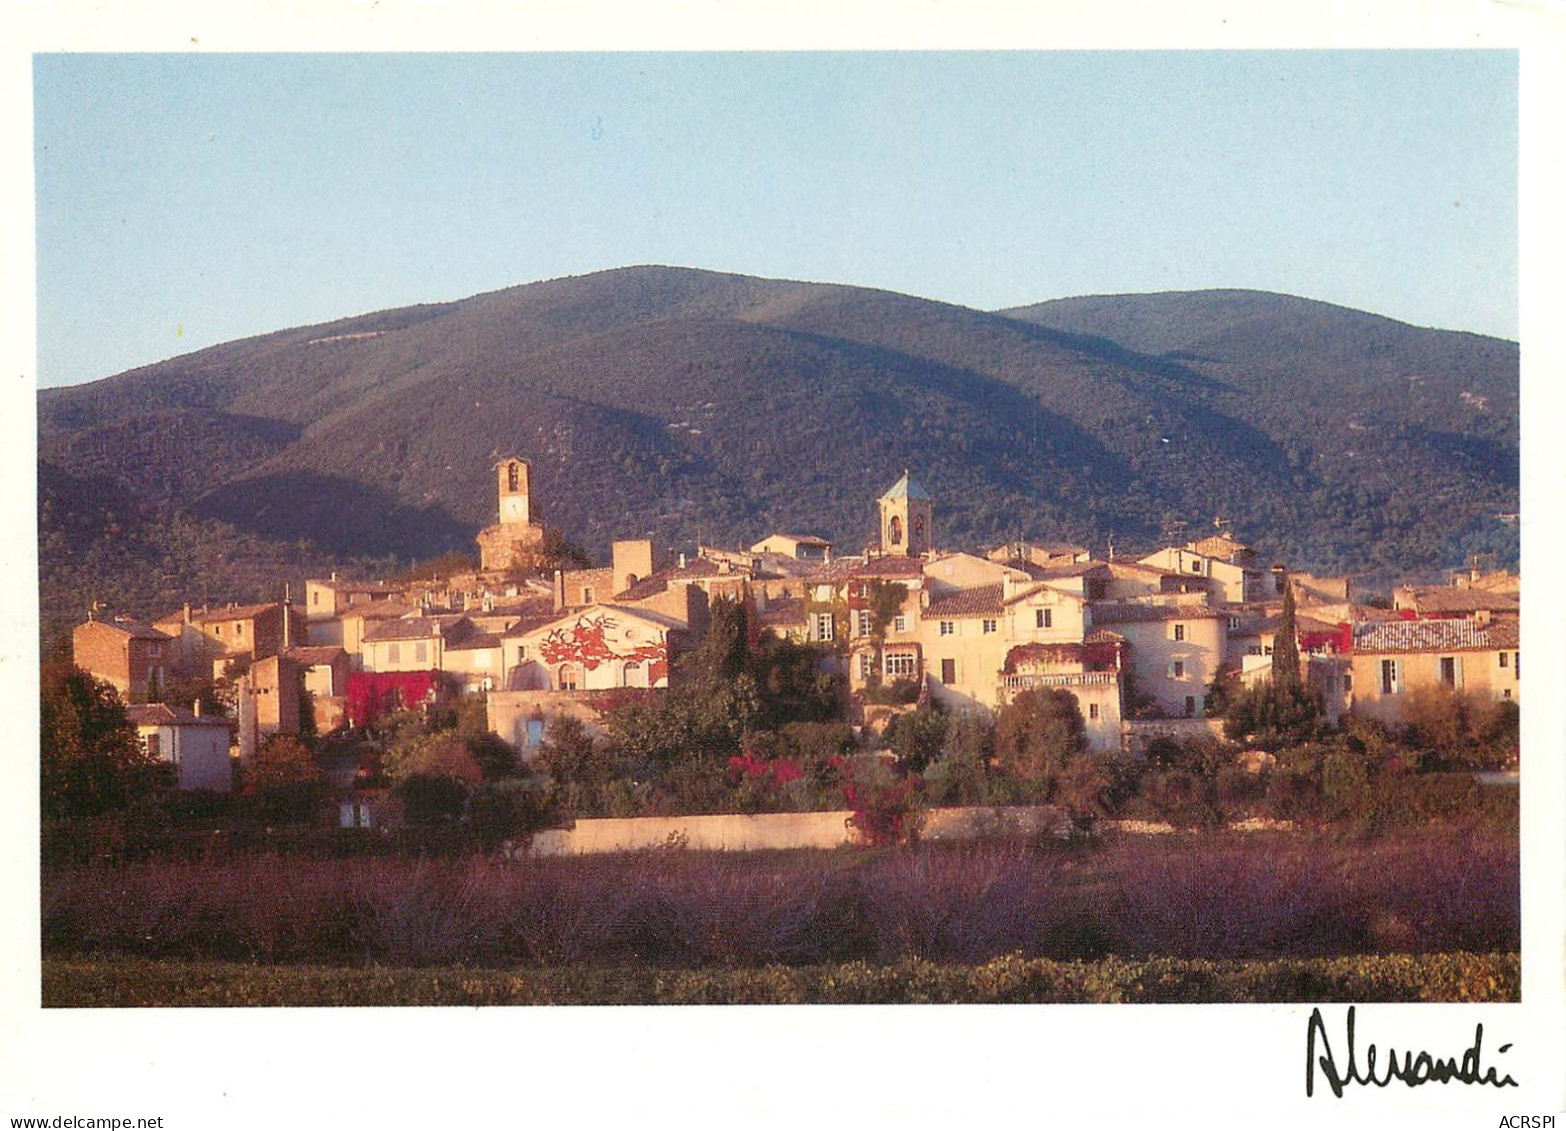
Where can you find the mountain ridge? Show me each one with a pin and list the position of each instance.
(673, 402)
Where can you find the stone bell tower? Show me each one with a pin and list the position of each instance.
(907, 518)
(515, 540)
(512, 481)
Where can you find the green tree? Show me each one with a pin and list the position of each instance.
(1286, 645)
(1038, 733)
(91, 760)
(916, 738)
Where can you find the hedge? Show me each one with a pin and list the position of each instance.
(1454, 977)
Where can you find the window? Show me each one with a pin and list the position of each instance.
(587, 594)
(633, 674)
(1348, 681)
(1501, 656)
(1253, 650)
(866, 662)
(1451, 671)
(1043, 618)
(1092, 712)
(1177, 670)
(900, 665)
(1390, 684)
(990, 626)
(217, 630)
(1190, 705)
(535, 731)
(824, 626)
(239, 628)
(155, 744)
(421, 652)
(900, 623)
(521, 653)
(948, 628)
(315, 598)
(1196, 567)
(568, 677)
(894, 531)
(394, 653)
(1516, 665)
(1506, 693)
(948, 671)
(862, 622)
(1179, 632)
(513, 477)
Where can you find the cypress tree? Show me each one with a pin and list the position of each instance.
(1285, 647)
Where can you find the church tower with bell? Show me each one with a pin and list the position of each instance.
(907, 518)
(515, 540)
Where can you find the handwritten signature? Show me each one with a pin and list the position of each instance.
(1410, 1067)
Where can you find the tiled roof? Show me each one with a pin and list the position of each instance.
(889, 565)
(343, 586)
(163, 715)
(1103, 636)
(1451, 599)
(315, 654)
(238, 612)
(982, 600)
(1440, 635)
(413, 628)
(134, 628)
(378, 610)
(475, 640)
(694, 570)
(1132, 614)
(906, 488)
(1302, 624)
(1218, 546)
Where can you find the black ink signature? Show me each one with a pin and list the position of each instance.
(1413, 1069)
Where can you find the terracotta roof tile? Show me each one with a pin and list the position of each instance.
(1439, 635)
(982, 600)
(1133, 614)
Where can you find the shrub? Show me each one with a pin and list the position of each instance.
(916, 738)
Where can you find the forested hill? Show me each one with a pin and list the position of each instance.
(676, 403)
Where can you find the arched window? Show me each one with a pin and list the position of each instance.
(513, 477)
(633, 675)
(569, 677)
(894, 530)
(918, 530)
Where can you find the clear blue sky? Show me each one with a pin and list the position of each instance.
(185, 200)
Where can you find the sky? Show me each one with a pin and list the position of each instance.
(186, 200)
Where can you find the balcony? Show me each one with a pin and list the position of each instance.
(1070, 679)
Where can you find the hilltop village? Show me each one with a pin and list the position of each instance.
(1139, 643)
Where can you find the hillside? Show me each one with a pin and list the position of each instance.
(674, 403)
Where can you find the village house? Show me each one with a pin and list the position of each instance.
(1452, 601)
(1173, 651)
(196, 745)
(412, 643)
(567, 664)
(1392, 659)
(1228, 566)
(803, 547)
(134, 658)
(326, 601)
(210, 639)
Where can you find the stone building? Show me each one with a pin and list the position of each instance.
(515, 541)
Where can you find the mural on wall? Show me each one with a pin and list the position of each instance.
(588, 643)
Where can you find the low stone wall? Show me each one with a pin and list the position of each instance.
(723, 832)
(1139, 732)
(734, 832)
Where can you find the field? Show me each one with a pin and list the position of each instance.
(1423, 914)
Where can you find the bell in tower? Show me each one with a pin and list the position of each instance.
(513, 474)
(907, 518)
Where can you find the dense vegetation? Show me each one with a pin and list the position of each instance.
(673, 403)
(121, 983)
(1240, 896)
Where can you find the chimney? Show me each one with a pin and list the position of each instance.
(682, 560)
(187, 612)
(196, 707)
